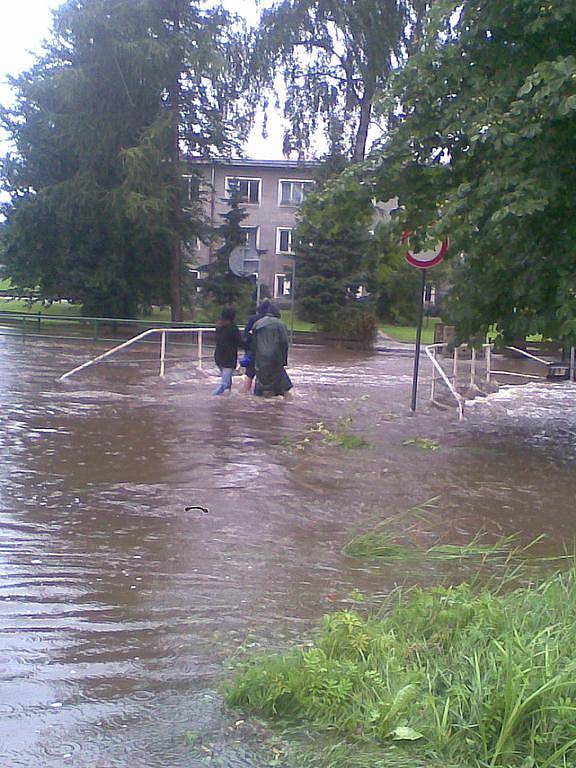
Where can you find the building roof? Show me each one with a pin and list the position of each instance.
(252, 162)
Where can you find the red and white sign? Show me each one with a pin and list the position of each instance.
(426, 259)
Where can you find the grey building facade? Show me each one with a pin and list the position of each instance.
(271, 192)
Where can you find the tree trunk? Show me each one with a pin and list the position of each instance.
(362, 133)
(176, 255)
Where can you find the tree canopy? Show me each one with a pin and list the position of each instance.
(98, 209)
(485, 152)
(482, 149)
(335, 58)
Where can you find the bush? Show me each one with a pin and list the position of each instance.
(357, 324)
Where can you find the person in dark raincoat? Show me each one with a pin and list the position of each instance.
(228, 340)
(270, 351)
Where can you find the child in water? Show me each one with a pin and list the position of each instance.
(228, 340)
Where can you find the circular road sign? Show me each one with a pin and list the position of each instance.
(428, 258)
(238, 258)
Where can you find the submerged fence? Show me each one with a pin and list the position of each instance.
(467, 371)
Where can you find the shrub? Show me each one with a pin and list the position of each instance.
(357, 324)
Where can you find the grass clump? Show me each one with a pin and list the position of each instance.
(442, 676)
(423, 443)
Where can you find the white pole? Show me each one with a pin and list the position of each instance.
(293, 299)
(488, 352)
(200, 349)
(473, 368)
(433, 388)
(162, 354)
(572, 363)
(455, 368)
(258, 287)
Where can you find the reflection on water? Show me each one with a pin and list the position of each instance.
(118, 607)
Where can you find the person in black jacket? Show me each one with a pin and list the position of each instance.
(228, 340)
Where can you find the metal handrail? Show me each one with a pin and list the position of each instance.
(162, 331)
(460, 401)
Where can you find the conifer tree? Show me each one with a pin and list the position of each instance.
(98, 211)
(330, 253)
(224, 286)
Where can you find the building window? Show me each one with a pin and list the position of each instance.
(284, 240)
(282, 285)
(251, 234)
(248, 189)
(292, 192)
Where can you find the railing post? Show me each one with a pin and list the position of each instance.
(200, 349)
(162, 353)
(572, 363)
(433, 388)
(455, 368)
(473, 369)
(39, 320)
(488, 348)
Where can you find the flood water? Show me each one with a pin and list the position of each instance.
(119, 608)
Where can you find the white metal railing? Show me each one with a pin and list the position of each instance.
(451, 382)
(436, 367)
(163, 333)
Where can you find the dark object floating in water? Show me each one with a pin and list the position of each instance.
(558, 371)
(200, 509)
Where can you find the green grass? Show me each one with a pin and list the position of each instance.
(20, 305)
(408, 332)
(424, 443)
(75, 310)
(445, 676)
(158, 313)
(299, 325)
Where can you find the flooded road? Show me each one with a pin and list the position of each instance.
(119, 608)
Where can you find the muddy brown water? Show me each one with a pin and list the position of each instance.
(119, 609)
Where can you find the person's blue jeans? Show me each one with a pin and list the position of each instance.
(225, 381)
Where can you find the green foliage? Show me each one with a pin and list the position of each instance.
(331, 255)
(422, 442)
(335, 58)
(221, 286)
(358, 324)
(98, 210)
(465, 679)
(483, 151)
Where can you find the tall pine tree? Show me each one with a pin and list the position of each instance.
(98, 210)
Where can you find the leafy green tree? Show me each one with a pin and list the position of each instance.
(334, 57)
(484, 151)
(98, 209)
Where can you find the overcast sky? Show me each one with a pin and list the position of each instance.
(25, 23)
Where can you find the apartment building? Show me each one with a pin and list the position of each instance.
(271, 192)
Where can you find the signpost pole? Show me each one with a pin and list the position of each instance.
(418, 342)
(292, 300)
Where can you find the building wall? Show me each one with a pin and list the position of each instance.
(268, 214)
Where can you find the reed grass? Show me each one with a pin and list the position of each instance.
(448, 676)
